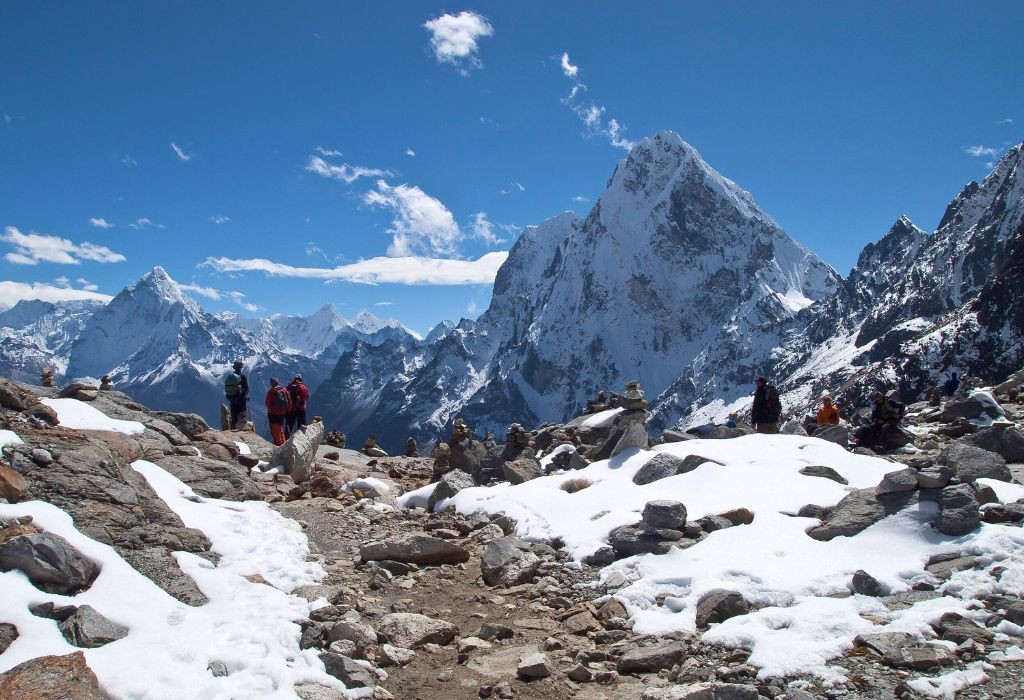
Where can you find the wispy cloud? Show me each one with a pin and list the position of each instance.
(453, 39)
(217, 295)
(487, 121)
(239, 299)
(592, 115)
(484, 229)
(345, 172)
(328, 152)
(128, 162)
(143, 222)
(409, 152)
(87, 285)
(383, 303)
(1005, 121)
(979, 151)
(580, 198)
(13, 292)
(100, 223)
(180, 152)
(33, 248)
(471, 307)
(513, 187)
(220, 219)
(408, 270)
(421, 223)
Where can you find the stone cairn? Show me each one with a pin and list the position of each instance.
(46, 378)
(460, 433)
(516, 439)
(335, 438)
(442, 460)
(105, 383)
(489, 442)
(411, 448)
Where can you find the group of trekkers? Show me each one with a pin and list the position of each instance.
(880, 429)
(286, 405)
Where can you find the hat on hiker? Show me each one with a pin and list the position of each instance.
(298, 377)
(238, 364)
(273, 381)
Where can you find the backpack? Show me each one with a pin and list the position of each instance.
(898, 408)
(279, 401)
(296, 393)
(233, 385)
(773, 406)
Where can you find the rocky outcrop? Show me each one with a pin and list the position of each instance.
(49, 561)
(296, 455)
(52, 678)
(414, 549)
(212, 478)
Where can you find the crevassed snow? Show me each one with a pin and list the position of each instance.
(9, 437)
(803, 584)
(247, 626)
(72, 413)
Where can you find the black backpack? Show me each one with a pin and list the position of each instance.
(280, 400)
(772, 404)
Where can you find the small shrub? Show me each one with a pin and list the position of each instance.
(574, 485)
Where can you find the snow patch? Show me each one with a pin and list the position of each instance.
(72, 413)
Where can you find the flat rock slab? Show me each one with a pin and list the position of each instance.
(859, 510)
(972, 463)
(413, 631)
(652, 658)
(901, 650)
(703, 691)
(213, 478)
(824, 473)
(50, 562)
(414, 549)
(52, 678)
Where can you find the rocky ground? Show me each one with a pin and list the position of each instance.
(427, 605)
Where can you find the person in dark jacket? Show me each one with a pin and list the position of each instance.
(299, 395)
(951, 385)
(767, 408)
(885, 419)
(236, 389)
(278, 404)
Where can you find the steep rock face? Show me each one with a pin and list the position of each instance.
(673, 259)
(36, 334)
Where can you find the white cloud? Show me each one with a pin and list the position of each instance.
(347, 173)
(128, 162)
(143, 222)
(100, 223)
(484, 229)
(181, 153)
(454, 39)
(219, 219)
(87, 285)
(238, 297)
(383, 303)
(978, 151)
(62, 282)
(569, 69)
(486, 121)
(592, 115)
(1005, 121)
(208, 292)
(329, 152)
(513, 187)
(13, 292)
(421, 223)
(381, 270)
(471, 307)
(33, 248)
(409, 152)
(580, 198)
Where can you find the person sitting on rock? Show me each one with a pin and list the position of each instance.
(828, 414)
(278, 404)
(885, 420)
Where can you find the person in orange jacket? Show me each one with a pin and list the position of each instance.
(828, 414)
(278, 404)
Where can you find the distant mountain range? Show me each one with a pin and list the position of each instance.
(675, 277)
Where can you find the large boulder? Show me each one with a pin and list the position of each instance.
(190, 424)
(634, 436)
(961, 408)
(449, 485)
(212, 478)
(958, 510)
(414, 549)
(13, 485)
(839, 434)
(412, 631)
(860, 509)
(653, 657)
(296, 455)
(88, 629)
(972, 463)
(66, 677)
(521, 470)
(50, 562)
(467, 456)
(718, 606)
(902, 650)
(350, 672)
(897, 481)
(629, 540)
(1005, 441)
(663, 465)
(665, 514)
(508, 561)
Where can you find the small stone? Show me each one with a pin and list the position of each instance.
(88, 629)
(652, 658)
(665, 514)
(866, 584)
(218, 669)
(718, 606)
(395, 656)
(412, 631)
(536, 665)
(491, 631)
(350, 672)
(580, 674)
(897, 481)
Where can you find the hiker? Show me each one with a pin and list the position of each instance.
(951, 385)
(828, 414)
(298, 395)
(885, 420)
(411, 448)
(278, 405)
(236, 389)
(767, 408)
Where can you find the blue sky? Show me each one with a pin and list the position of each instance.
(405, 143)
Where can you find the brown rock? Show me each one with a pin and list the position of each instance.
(13, 486)
(739, 516)
(52, 678)
(15, 530)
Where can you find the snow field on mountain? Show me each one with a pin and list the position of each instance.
(249, 627)
(809, 615)
(78, 415)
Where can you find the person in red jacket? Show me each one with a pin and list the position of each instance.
(298, 394)
(278, 405)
